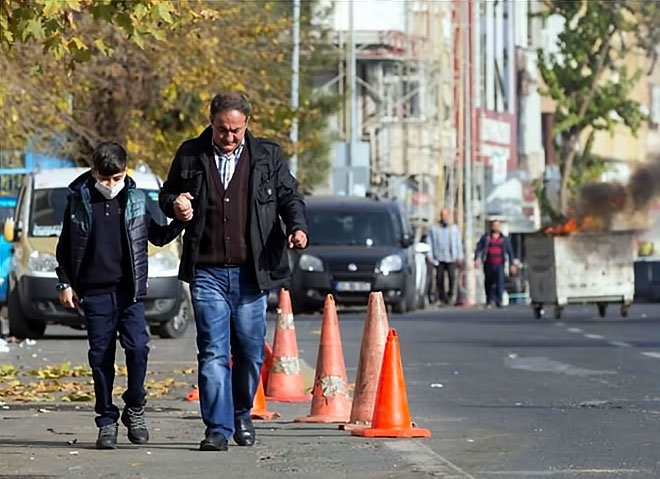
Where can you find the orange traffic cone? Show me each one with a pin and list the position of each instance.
(391, 414)
(330, 401)
(374, 337)
(267, 364)
(259, 408)
(193, 395)
(285, 381)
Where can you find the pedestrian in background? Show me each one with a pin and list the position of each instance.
(232, 189)
(493, 250)
(102, 268)
(446, 256)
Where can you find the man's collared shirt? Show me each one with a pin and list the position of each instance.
(226, 162)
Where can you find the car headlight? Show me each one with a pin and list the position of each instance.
(308, 262)
(164, 261)
(40, 262)
(390, 264)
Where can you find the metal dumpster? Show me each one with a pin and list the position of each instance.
(581, 268)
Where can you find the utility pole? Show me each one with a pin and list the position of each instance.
(352, 76)
(469, 215)
(295, 82)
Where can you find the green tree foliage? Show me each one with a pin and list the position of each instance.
(588, 77)
(153, 93)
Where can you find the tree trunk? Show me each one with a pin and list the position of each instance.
(567, 169)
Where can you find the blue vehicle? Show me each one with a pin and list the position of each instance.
(7, 206)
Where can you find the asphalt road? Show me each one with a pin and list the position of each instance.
(505, 396)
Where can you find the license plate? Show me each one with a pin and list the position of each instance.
(352, 286)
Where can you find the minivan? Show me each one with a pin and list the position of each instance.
(357, 245)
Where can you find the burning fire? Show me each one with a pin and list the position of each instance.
(588, 223)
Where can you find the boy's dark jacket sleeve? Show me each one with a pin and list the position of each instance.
(63, 250)
(160, 235)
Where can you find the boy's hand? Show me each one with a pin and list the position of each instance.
(298, 240)
(68, 298)
(183, 209)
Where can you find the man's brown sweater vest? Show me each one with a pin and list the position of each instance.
(224, 240)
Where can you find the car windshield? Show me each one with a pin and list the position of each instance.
(342, 228)
(48, 206)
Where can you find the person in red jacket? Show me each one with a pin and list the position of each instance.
(493, 250)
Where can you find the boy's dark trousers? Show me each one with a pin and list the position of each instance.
(494, 283)
(106, 315)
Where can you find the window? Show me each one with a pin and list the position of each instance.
(655, 104)
(358, 228)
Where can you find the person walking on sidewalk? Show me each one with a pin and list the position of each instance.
(446, 255)
(493, 250)
(102, 268)
(232, 188)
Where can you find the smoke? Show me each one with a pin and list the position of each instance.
(644, 185)
(605, 201)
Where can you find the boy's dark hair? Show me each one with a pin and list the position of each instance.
(234, 100)
(109, 158)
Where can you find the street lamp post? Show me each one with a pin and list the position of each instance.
(295, 82)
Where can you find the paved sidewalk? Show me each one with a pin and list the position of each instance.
(57, 441)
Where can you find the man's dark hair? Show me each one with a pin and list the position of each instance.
(109, 158)
(234, 100)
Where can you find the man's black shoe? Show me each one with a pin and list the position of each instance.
(107, 436)
(244, 434)
(133, 419)
(213, 442)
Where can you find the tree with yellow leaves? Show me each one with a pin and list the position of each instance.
(143, 73)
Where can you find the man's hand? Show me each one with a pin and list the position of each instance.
(68, 298)
(183, 210)
(298, 240)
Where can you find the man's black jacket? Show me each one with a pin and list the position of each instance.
(273, 193)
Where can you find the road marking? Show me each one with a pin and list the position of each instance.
(593, 336)
(545, 365)
(563, 472)
(620, 344)
(426, 459)
(652, 355)
(560, 324)
(574, 330)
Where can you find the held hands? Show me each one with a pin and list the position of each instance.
(68, 298)
(183, 210)
(298, 240)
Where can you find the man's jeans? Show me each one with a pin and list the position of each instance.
(107, 314)
(230, 315)
(494, 283)
(445, 295)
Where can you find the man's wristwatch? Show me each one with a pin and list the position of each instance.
(62, 286)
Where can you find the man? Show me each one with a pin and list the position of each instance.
(493, 249)
(102, 267)
(446, 254)
(232, 189)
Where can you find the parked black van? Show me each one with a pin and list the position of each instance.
(357, 245)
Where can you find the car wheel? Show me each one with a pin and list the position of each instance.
(20, 326)
(176, 326)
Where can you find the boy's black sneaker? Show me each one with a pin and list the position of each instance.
(133, 419)
(107, 436)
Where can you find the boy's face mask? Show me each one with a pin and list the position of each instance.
(110, 186)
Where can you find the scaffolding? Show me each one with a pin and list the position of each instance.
(405, 101)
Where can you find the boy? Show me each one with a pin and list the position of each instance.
(102, 267)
